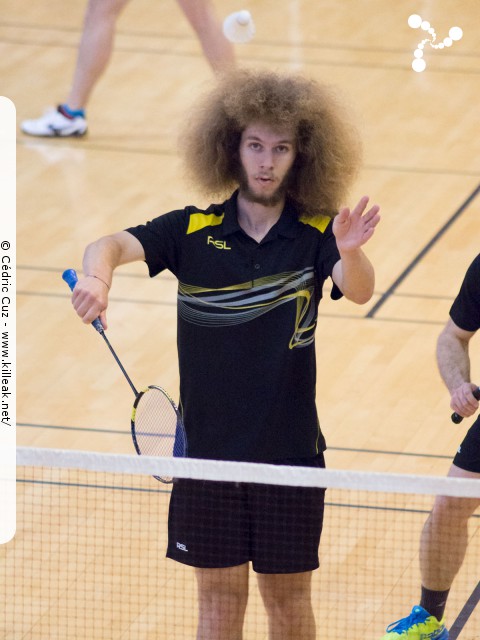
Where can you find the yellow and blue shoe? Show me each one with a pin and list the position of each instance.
(419, 625)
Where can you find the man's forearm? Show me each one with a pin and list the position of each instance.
(101, 258)
(357, 276)
(453, 360)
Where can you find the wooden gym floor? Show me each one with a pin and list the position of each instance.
(381, 402)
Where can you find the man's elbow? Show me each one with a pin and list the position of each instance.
(359, 296)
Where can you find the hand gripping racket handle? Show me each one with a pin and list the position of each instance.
(71, 278)
(456, 418)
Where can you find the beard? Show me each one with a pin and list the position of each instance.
(267, 201)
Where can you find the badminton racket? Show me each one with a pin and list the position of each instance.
(156, 423)
(457, 418)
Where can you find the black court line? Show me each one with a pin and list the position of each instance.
(108, 146)
(391, 453)
(307, 44)
(391, 290)
(465, 614)
(70, 428)
(81, 485)
(408, 169)
(165, 50)
(168, 276)
(126, 432)
(42, 294)
(165, 275)
(166, 303)
(338, 505)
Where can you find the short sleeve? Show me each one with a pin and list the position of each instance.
(465, 310)
(161, 240)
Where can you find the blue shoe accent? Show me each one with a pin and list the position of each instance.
(419, 625)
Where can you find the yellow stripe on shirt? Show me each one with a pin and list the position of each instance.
(318, 222)
(199, 221)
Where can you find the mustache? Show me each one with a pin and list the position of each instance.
(280, 192)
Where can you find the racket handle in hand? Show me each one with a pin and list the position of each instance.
(71, 278)
(456, 418)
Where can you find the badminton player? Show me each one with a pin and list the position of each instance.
(278, 153)
(444, 538)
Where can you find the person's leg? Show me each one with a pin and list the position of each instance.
(208, 529)
(286, 525)
(443, 544)
(95, 49)
(94, 53)
(222, 600)
(217, 49)
(288, 602)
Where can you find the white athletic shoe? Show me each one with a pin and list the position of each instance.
(54, 124)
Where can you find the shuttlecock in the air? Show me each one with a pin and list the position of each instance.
(238, 27)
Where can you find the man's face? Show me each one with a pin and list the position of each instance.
(266, 157)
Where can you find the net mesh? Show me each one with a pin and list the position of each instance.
(88, 558)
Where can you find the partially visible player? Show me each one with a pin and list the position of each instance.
(443, 542)
(96, 46)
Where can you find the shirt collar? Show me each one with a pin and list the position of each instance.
(288, 224)
(230, 221)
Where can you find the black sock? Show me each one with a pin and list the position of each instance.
(434, 602)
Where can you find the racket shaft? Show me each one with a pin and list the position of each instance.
(71, 278)
(157, 426)
(117, 360)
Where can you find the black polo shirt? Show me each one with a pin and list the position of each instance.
(247, 313)
(465, 310)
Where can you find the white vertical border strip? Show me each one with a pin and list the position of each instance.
(7, 320)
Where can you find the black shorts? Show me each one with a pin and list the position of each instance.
(468, 454)
(225, 524)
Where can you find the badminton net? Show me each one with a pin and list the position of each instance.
(88, 557)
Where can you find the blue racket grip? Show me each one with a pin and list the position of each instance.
(71, 278)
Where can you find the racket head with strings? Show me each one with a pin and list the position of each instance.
(157, 426)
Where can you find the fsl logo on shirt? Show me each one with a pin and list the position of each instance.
(218, 244)
(181, 546)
